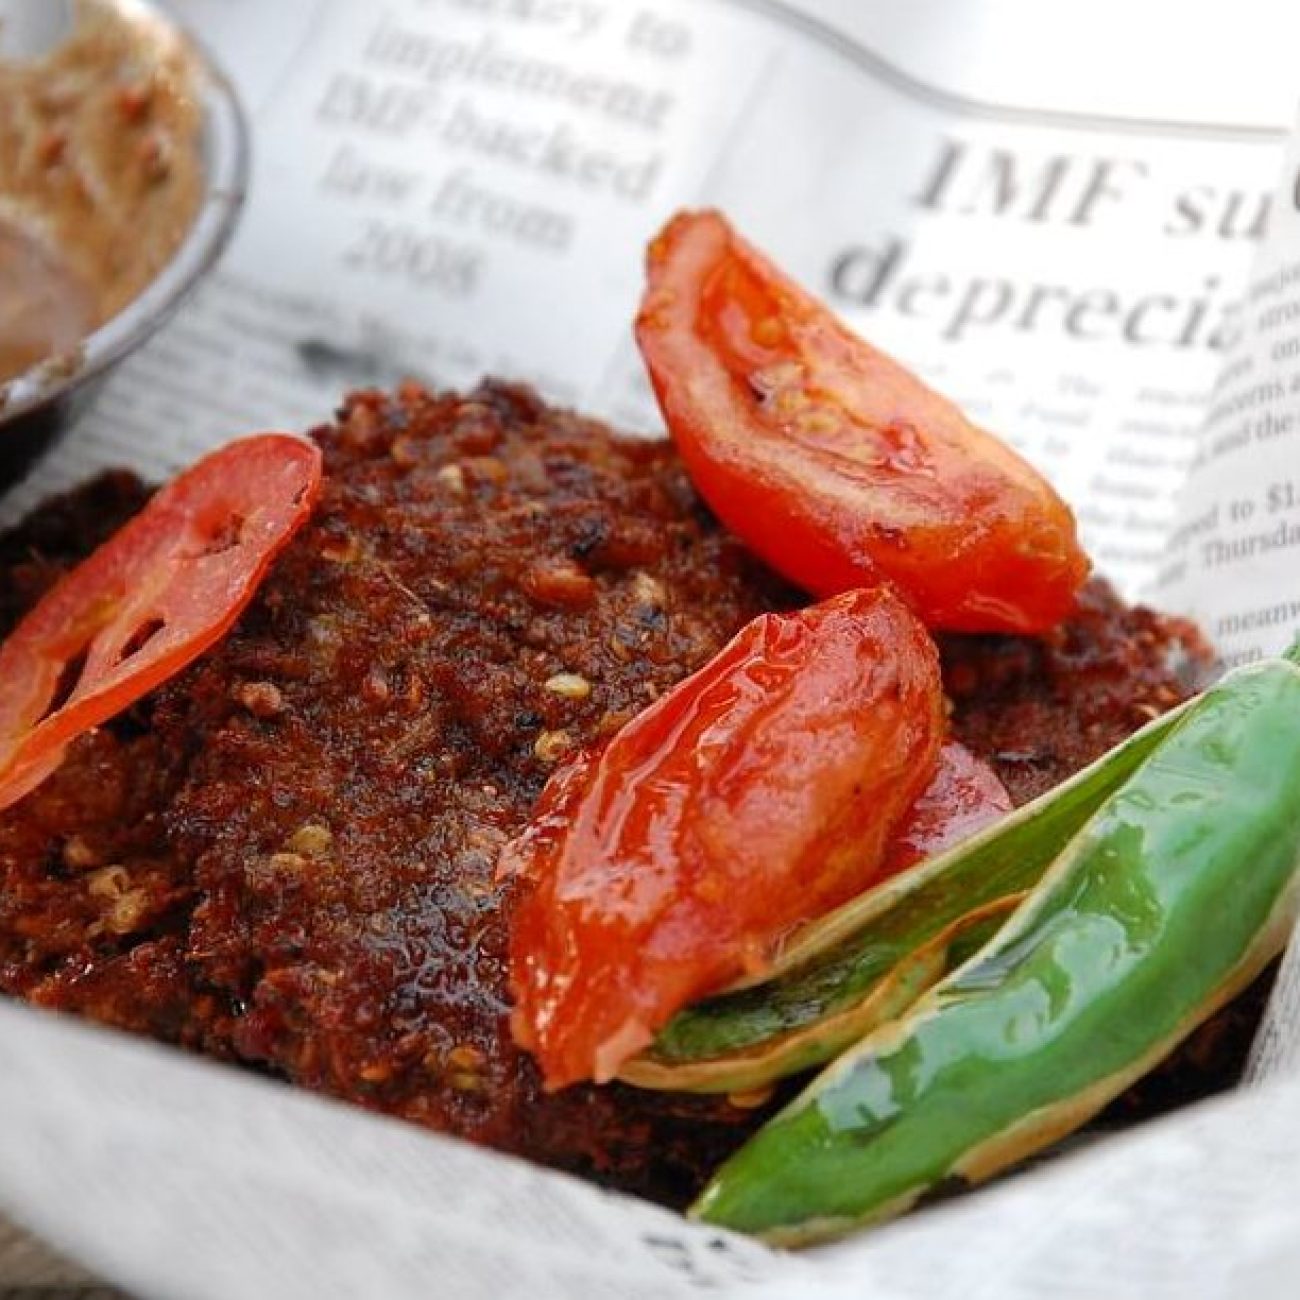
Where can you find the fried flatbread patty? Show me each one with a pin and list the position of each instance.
(285, 856)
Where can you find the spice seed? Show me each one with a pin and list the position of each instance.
(570, 686)
(551, 746)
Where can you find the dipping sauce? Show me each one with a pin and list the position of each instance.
(100, 180)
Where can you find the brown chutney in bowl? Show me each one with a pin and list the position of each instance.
(123, 162)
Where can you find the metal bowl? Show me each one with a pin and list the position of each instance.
(41, 404)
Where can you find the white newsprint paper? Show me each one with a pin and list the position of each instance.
(1067, 216)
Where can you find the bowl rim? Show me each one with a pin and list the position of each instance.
(225, 147)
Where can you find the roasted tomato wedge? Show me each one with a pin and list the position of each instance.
(757, 794)
(157, 594)
(833, 462)
(963, 796)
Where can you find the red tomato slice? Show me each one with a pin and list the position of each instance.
(157, 594)
(963, 796)
(758, 793)
(829, 459)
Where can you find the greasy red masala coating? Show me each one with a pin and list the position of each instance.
(286, 856)
(1040, 708)
(85, 870)
(382, 723)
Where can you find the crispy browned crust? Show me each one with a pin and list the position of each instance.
(285, 856)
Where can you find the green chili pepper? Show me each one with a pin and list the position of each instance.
(868, 961)
(1177, 891)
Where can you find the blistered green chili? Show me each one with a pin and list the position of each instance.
(869, 960)
(1170, 899)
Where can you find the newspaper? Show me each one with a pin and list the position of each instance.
(1000, 194)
